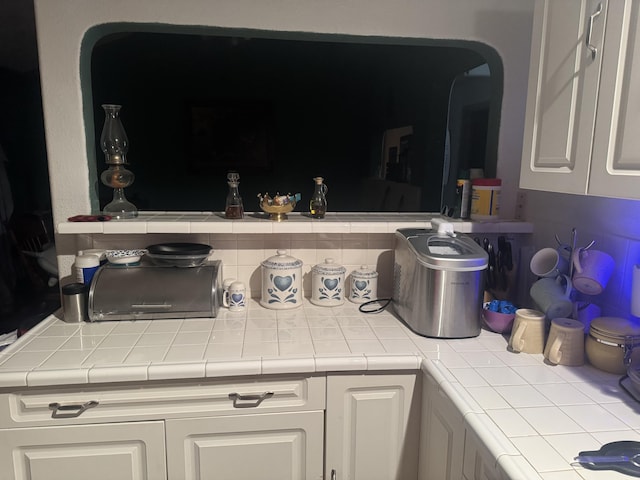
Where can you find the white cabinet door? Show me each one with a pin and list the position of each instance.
(78, 452)
(478, 463)
(442, 435)
(273, 446)
(562, 94)
(372, 427)
(616, 153)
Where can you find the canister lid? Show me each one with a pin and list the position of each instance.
(364, 272)
(444, 252)
(87, 261)
(328, 268)
(613, 328)
(282, 261)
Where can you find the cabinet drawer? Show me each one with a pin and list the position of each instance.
(161, 400)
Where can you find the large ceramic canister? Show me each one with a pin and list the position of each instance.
(605, 344)
(281, 282)
(363, 285)
(327, 284)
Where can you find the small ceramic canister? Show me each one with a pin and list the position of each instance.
(363, 285)
(237, 297)
(327, 284)
(281, 282)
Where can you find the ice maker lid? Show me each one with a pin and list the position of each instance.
(444, 251)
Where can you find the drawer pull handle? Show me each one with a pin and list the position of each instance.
(62, 411)
(334, 475)
(254, 400)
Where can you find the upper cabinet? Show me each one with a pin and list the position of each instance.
(579, 129)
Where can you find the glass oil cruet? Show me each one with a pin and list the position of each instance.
(115, 144)
(233, 208)
(318, 202)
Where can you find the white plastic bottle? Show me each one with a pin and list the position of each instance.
(85, 267)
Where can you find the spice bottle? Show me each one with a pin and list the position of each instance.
(233, 208)
(318, 202)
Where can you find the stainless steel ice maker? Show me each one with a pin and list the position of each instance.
(438, 283)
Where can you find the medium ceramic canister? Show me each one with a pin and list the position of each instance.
(605, 344)
(363, 285)
(327, 284)
(281, 282)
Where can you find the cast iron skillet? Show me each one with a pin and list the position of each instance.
(178, 254)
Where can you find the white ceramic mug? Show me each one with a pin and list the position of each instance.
(553, 296)
(549, 262)
(592, 270)
(237, 297)
(565, 345)
(528, 332)
(226, 283)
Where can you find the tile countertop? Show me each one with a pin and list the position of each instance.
(214, 222)
(527, 413)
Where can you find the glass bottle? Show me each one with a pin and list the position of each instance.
(115, 144)
(233, 208)
(318, 202)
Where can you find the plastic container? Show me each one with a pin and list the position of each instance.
(85, 267)
(485, 198)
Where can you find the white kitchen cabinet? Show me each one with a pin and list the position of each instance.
(117, 431)
(120, 451)
(442, 434)
(581, 126)
(372, 426)
(562, 95)
(276, 446)
(615, 169)
(478, 463)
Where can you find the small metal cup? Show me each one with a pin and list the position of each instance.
(74, 302)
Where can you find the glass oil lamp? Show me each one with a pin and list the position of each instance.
(115, 144)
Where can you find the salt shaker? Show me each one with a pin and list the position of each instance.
(363, 285)
(237, 297)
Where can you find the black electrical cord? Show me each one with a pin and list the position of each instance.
(380, 306)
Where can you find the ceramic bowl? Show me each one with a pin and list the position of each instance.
(124, 257)
(498, 322)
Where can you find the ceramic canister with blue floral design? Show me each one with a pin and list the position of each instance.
(281, 282)
(327, 284)
(363, 285)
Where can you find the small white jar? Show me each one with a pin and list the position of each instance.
(327, 284)
(281, 282)
(363, 285)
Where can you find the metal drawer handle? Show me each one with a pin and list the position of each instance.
(590, 46)
(254, 399)
(79, 409)
(334, 475)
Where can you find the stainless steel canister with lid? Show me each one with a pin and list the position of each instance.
(327, 284)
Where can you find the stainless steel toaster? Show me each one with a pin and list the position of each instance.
(438, 282)
(149, 291)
